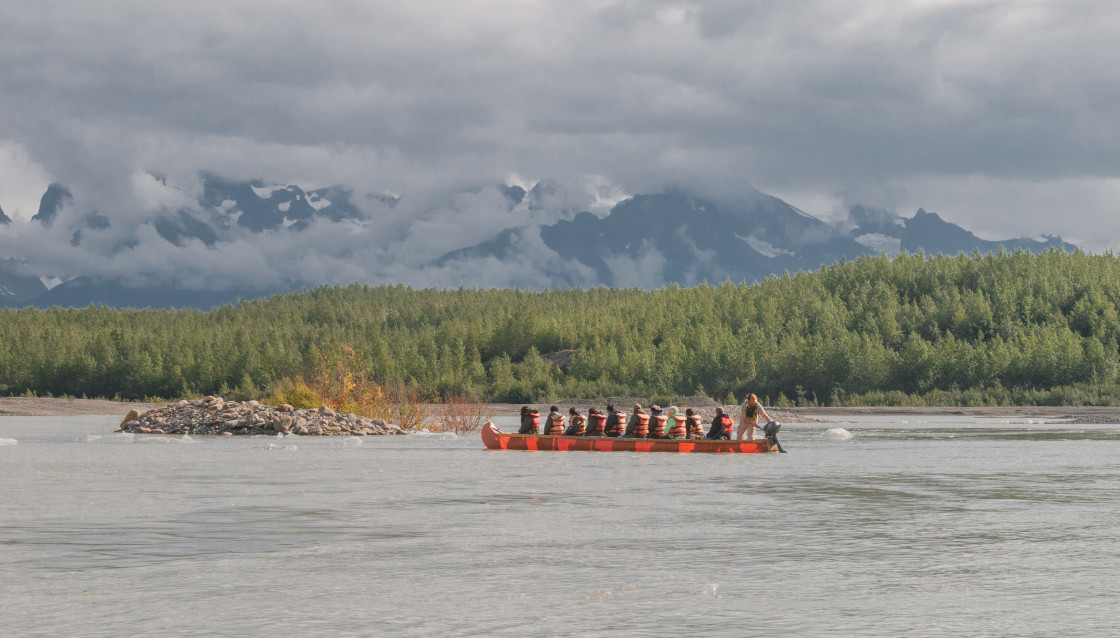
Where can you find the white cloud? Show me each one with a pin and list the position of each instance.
(22, 182)
(642, 271)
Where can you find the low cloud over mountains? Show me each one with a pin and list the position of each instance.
(217, 239)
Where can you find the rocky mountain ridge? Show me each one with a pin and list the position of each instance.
(677, 237)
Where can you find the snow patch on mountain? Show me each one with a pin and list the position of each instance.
(881, 243)
(604, 195)
(764, 247)
(50, 282)
(265, 192)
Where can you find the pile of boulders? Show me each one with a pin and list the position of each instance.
(214, 415)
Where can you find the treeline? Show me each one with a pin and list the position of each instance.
(969, 330)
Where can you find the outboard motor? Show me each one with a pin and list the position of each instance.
(771, 432)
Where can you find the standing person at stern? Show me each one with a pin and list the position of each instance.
(752, 409)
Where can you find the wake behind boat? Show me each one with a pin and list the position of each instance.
(495, 439)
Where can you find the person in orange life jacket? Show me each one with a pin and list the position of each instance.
(692, 422)
(554, 424)
(752, 409)
(575, 423)
(677, 427)
(635, 422)
(615, 421)
(530, 421)
(658, 418)
(596, 422)
(721, 426)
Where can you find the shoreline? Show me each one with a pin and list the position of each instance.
(51, 406)
(42, 406)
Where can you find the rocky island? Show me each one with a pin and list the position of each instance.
(214, 415)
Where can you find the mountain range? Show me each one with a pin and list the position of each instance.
(677, 237)
(647, 240)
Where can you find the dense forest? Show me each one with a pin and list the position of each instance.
(965, 330)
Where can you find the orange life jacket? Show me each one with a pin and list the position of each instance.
(619, 425)
(641, 430)
(694, 427)
(576, 421)
(728, 425)
(555, 426)
(598, 424)
(657, 430)
(536, 420)
(679, 429)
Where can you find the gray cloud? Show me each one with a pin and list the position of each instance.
(1000, 115)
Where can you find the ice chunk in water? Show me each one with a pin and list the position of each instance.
(4, 442)
(273, 446)
(837, 434)
(150, 438)
(438, 435)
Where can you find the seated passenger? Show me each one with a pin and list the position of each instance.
(530, 420)
(722, 425)
(597, 422)
(692, 420)
(638, 425)
(616, 421)
(678, 424)
(575, 423)
(658, 419)
(554, 424)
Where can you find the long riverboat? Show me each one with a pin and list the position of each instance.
(495, 439)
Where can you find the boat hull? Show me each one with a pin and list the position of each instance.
(495, 439)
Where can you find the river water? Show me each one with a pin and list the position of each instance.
(937, 526)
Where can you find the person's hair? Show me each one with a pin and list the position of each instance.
(554, 409)
(752, 397)
(673, 409)
(688, 412)
(610, 407)
(719, 410)
(524, 408)
(571, 410)
(637, 406)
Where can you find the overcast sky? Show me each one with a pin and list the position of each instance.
(1000, 115)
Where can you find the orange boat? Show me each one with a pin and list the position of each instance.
(495, 439)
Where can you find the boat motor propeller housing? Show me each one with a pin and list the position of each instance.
(771, 432)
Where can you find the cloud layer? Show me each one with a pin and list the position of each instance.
(1001, 115)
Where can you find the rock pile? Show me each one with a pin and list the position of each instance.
(213, 415)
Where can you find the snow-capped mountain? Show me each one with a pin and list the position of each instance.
(224, 213)
(253, 205)
(260, 207)
(676, 237)
(220, 240)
